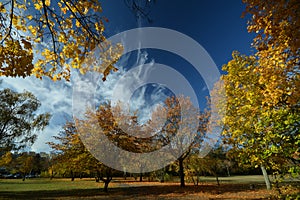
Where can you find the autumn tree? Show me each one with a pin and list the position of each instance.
(74, 157)
(24, 164)
(48, 38)
(176, 126)
(276, 24)
(71, 154)
(261, 135)
(184, 129)
(19, 120)
(262, 108)
(109, 129)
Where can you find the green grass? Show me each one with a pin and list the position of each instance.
(235, 179)
(42, 188)
(17, 185)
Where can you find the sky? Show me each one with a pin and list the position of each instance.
(216, 25)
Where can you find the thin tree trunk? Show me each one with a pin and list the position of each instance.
(52, 175)
(181, 172)
(125, 175)
(228, 172)
(162, 175)
(198, 178)
(106, 186)
(141, 177)
(141, 173)
(266, 177)
(72, 176)
(217, 179)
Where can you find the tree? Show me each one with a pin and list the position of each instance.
(261, 135)
(181, 131)
(24, 164)
(48, 38)
(213, 164)
(19, 121)
(71, 153)
(276, 24)
(262, 91)
(117, 126)
(185, 129)
(74, 157)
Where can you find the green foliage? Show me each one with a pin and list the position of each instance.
(262, 91)
(19, 121)
(71, 154)
(261, 135)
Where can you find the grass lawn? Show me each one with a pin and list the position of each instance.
(235, 187)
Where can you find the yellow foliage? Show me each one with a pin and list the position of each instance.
(278, 47)
(66, 42)
(38, 5)
(47, 2)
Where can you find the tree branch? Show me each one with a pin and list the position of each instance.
(11, 20)
(49, 27)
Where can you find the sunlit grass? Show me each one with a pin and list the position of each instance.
(14, 185)
(43, 188)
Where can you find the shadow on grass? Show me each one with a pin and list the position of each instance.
(127, 192)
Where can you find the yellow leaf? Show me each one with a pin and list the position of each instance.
(64, 10)
(47, 2)
(38, 6)
(29, 17)
(77, 23)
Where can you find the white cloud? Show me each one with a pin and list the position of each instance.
(56, 97)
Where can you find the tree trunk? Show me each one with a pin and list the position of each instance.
(141, 177)
(125, 175)
(72, 176)
(162, 175)
(266, 177)
(198, 178)
(181, 172)
(52, 175)
(106, 186)
(107, 179)
(217, 179)
(141, 173)
(97, 177)
(228, 172)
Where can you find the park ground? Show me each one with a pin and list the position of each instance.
(235, 187)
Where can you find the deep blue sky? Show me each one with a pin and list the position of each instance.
(216, 24)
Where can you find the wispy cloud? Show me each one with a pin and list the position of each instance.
(56, 97)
